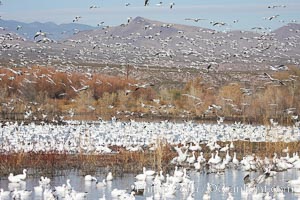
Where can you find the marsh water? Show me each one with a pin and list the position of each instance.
(232, 178)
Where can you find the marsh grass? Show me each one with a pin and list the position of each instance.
(126, 161)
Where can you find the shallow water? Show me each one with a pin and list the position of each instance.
(231, 178)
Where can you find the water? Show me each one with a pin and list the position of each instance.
(231, 178)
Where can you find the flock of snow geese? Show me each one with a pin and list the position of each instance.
(155, 44)
(188, 140)
(83, 137)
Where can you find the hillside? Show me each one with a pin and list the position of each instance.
(54, 31)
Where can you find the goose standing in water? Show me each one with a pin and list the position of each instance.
(101, 184)
(109, 176)
(22, 176)
(90, 178)
(235, 161)
(4, 194)
(13, 179)
(148, 172)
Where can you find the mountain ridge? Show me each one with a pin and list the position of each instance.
(55, 31)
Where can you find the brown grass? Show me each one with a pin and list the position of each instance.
(125, 161)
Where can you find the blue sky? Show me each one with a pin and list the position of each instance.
(114, 12)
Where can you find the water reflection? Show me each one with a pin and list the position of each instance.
(230, 181)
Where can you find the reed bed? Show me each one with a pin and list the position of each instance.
(126, 161)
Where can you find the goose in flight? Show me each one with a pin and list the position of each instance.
(129, 19)
(76, 18)
(91, 7)
(39, 33)
(273, 79)
(14, 71)
(138, 86)
(194, 19)
(219, 23)
(272, 17)
(171, 5)
(277, 6)
(19, 27)
(146, 2)
(127, 4)
(44, 40)
(252, 183)
(80, 89)
(100, 24)
(160, 3)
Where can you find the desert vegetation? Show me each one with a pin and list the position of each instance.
(48, 94)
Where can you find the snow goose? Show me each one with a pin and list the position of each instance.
(201, 158)
(195, 147)
(286, 150)
(109, 177)
(141, 177)
(217, 158)
(191, 160)
(139, 187)
(22, 176)
(206, 196)
(231, 145)
(148, 172)
(78, 195)
(44, 181)
(48, 194)
(235, 161)
(90, 178)
(227, 158)
(4, 194)
(13, 179)
(224, 149)
(116, 193)
(197, 165)
(101, 184)
(38, 190)
(177, 172)
(61, 190)
(296, 164)
(161, 176)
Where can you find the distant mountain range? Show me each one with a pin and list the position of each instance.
(54, 31)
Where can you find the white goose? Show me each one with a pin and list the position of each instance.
(13, 179)
(101, 184)
(109, 176)
(197, 165)
(235, 161)
(90, 178)
(191, 160)
(226, 148)
(195, 147)
(4, 194)
(148, 172)
(177, 172)
(161, 176)
(201, 158)
(22, 176)
(141, 177)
